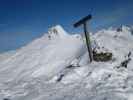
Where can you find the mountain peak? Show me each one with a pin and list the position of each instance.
(57, 31)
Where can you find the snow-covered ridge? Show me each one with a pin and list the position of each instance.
(57, 31)
(43, 57)
(56, 67)
(6, 55)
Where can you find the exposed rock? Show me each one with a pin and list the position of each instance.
(107, 56)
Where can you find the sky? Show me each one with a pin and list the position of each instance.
(22, 21)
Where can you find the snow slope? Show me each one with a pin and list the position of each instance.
(6, 55)
(56, 47)
(56, 67)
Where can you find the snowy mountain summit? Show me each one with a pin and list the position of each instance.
(56, 67)
(57, 31)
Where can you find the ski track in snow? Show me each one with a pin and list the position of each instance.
(31, 73)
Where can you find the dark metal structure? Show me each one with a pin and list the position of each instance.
(83, 22)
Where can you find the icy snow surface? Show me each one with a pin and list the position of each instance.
(56, 67)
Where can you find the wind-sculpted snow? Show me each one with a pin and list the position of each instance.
(56, 67)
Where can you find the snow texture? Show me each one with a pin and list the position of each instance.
(56, 67)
